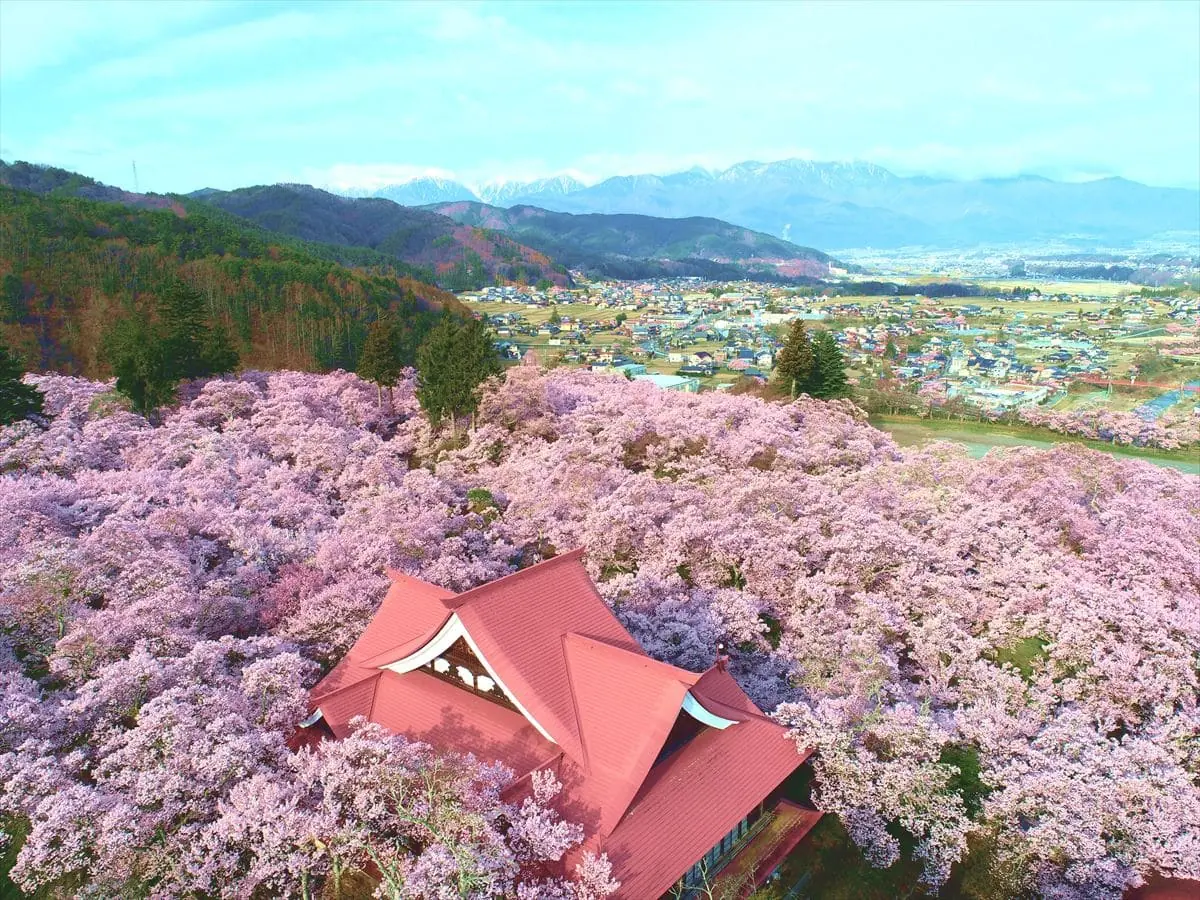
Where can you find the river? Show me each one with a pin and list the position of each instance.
(980, 439)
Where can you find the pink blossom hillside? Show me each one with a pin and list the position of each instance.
(1000, 651)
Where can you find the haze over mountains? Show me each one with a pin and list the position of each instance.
(844, 205)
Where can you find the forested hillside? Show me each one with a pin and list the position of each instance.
(459, 256)
(631, 246)
(69, 266)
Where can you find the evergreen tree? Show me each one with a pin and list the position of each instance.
(140, 357)
(17, 399)
(185, 329)
(795, 363)
(890, 350)
(829, 368)
(382, 358)
(195, 349)
(437, 368)
(220, 356)
(150, 357)
(453, 361)
(477, 353)
(555, 318)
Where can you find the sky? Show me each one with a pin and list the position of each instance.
(357, 95)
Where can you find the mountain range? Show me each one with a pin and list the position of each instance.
(853, 205)
(634, 246)
(466, 244)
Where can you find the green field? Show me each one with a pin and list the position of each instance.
(981, 437)
(538, 315)
(1079, 288)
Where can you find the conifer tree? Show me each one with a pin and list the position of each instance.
(382, 358)
(829, 368)
(220, 356)
(452, 362)
(794, 365)
(140, 357)
(437, 365)
(150, 357)
(196, 349)
(185, 329)
(17, 399)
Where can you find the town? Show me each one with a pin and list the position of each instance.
(1121, 347)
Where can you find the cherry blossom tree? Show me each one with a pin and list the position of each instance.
(999, 650)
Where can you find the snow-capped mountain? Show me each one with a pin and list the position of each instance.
(852, 204)
(510, 193)
(857, 204)
(426, 189)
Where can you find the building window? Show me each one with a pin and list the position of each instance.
(459, 665)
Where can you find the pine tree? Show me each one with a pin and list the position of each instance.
(185, 329)
(452, 362)
(141, 358)
(17, 399)
(437, 365)
(382, 357)
(220, 356)
(794, 365)
(890, 350)
(150, 357)
(829, 368)
(194, 347)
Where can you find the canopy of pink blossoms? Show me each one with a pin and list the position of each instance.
(168, 592)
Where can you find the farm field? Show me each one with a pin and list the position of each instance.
(1107, 289)
(538, 315)
(980, 437)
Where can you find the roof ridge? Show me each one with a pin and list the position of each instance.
(562, 641)
(401, 577)
(459, 600)
(690, 678)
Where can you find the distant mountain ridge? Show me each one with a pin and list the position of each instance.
(857, 204)
(636, 246)
(460, 257)
(463, 245)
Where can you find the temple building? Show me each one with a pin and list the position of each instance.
(676, 775)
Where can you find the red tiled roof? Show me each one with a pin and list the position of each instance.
(608, 707)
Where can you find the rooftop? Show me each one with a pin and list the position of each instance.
(534, 670)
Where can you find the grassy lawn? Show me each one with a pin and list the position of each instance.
(983, 430)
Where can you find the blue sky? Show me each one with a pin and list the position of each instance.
(227, 94)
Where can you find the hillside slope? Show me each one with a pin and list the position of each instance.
(642, 246)
(460, 257)
(69, 266)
